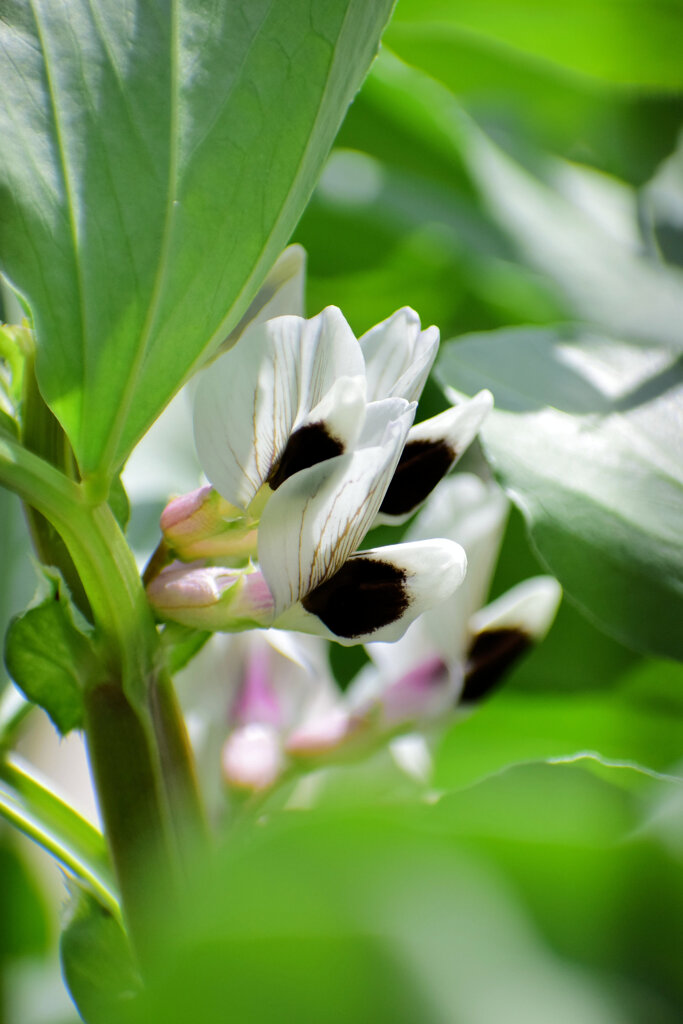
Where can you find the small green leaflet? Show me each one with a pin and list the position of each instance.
(96, 958)
(50, 657)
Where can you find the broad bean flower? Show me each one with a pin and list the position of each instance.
(306, 436)
(289, 716)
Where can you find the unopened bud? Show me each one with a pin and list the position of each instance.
(212, 597)
(202, 524)
(252, 757)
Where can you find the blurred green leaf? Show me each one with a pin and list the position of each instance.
(631, 42)
(623, 131)
(96, 959)
(50, 657)
(581, 230)
(37, 812)
(392, 914)
(154, 163)
(23, 913)
(544, 802)
(517, 728)
(585, 438)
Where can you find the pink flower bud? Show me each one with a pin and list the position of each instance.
(202, 524)
(212, 597)
(252, 757)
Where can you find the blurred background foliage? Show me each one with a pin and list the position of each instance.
(546, 884)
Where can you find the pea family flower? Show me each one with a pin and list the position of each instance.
(460, 650)
(280, 713)
(149, 475)
(280, 681)
(301, 430)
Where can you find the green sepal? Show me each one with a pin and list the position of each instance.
(49, 654)
(97, 963)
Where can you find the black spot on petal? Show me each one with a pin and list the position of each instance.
(490, 657)
(362, 597)
(421, 466)
(306, 447)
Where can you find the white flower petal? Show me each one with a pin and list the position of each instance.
(528, 608)
(466, 509)
(318, 517)
(361, 603)
(341, 410)
(281, 294)
(398, 356)
(432, 449)
(252, 398)
(456, 426)
(389, 660)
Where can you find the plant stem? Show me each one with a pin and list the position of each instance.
(133, 809)
(136, 737)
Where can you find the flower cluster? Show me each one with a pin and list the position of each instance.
(278, 710)
(307, 438)
(306, 435)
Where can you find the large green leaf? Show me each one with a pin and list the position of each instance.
(580, 229)
(392, 915)
(155, 159)
(586, 438)
(521, 728)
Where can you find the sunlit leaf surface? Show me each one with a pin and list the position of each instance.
(586, 438)
(155, 159)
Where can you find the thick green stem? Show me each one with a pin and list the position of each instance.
(136, 737)
(124, 765)
(177, 769)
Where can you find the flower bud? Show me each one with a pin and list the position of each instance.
(202, 524)
(212, 597)
(252, 757)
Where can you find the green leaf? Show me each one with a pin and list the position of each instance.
(580, 229)
(390, 914)
(50, 657)
(155, 160)
(25, 927)
(96, 959)
(624, 132)
(521, 728)
(37, 812)
(630, 42)
(585, 436)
